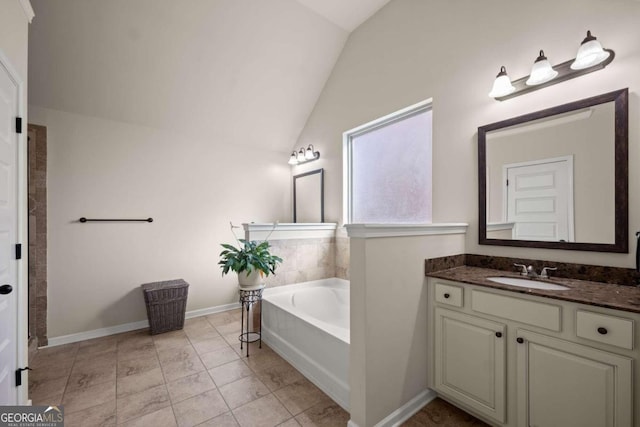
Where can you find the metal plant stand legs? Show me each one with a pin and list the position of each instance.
(247, 299)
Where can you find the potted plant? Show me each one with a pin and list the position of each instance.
(251, 260)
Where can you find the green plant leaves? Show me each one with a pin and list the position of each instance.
(250, 256)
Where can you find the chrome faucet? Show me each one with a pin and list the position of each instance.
(530, 272)
(544, 274)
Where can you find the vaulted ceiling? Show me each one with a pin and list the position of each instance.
(240, 72)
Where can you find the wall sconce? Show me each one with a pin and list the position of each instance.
(590, 57)
(303, 156)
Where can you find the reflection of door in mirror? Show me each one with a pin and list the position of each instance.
(540, 201)
(308, 197)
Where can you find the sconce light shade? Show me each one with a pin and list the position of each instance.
(310, 153)
(293, 160)
(589, 54)
(502, 85)
(301, 155)
(541, 72)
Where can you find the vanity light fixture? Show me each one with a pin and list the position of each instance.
(502, 85)
(591, 57)
(541, 72)
(303, 156)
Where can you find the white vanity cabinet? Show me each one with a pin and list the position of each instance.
(561, 383)
(470, 361)
(527, 361)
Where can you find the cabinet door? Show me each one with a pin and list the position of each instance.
(563, 384)
(470, 361)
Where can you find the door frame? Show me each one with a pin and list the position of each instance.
(21, 207)
(570, 198)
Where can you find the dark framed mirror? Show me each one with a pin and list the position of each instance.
(308, 197)
(557, 178)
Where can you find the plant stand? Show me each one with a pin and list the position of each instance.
(247, 299)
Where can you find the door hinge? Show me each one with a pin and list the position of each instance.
(19, 375)
(18, 250)
(18, 124)
(507, 183)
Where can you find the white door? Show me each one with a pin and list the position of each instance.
(8, 226)
(540, 199)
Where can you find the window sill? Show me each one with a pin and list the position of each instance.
(366, 231)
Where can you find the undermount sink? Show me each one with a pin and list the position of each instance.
(528, 283)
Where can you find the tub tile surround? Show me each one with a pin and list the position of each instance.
(309, 251)
(303, 260)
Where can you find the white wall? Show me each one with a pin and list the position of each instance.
(191, 187)
(388, 350)
(416, 49)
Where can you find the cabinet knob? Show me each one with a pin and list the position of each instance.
(447, 295)
(520, 340)
(5, 289)
(499, 334)
(602, 331)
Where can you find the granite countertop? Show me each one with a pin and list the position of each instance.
(617, 297)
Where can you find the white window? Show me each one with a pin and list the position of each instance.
(387, 168)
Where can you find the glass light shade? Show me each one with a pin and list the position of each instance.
(541, 72)
(589, 54)
(293, 160)
(301, 155)
(310, 154)
(502, 85)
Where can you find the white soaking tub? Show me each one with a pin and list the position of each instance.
(308, 325)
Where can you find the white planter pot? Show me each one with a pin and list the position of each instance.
(251, 281)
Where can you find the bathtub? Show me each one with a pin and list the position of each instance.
(308, 325)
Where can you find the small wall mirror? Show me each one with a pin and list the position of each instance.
(557, 178)
(308, 196)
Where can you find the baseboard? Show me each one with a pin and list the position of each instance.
(126, 327)
(406, 411)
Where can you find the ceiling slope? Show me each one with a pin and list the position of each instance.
(346, 14)
(240, 72)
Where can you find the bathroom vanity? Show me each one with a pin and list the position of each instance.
(515, 356)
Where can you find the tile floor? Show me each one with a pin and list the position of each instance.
(191, 377)
(195, 376)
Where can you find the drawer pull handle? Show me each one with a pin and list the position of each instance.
(447, 296)
(602, 331)
(520, 340)
(499, 334)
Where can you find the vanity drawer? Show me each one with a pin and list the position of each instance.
(528, 312)
(449, 294)
(605, 329)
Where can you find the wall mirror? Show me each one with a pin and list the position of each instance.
(308, 196)
(557, 178)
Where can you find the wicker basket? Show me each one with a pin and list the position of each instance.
(166, 304)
